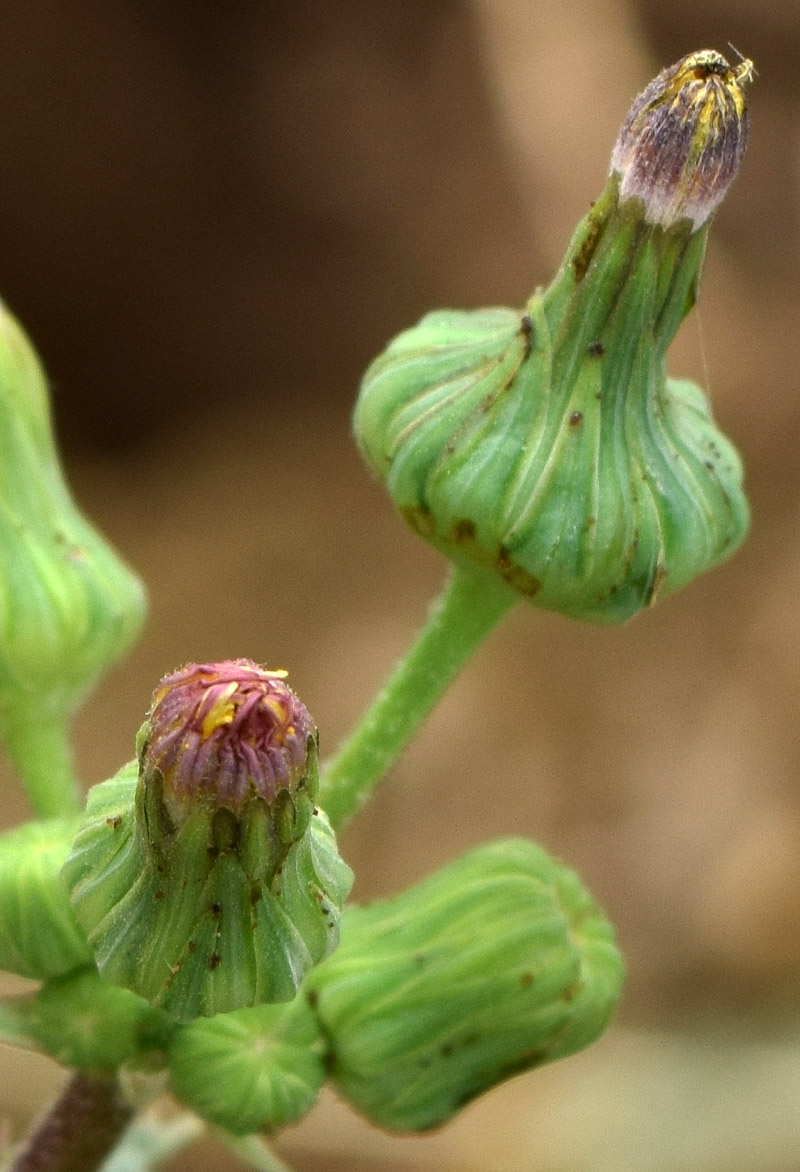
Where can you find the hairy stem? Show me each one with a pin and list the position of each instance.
(41, 751)
(80, 1130)
(466, 612)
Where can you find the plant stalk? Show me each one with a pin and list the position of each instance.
(470, 606)
(82, 1127)
(41, 751)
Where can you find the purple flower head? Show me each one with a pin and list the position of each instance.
(229, 732)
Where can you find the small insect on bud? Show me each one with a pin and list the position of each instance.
(253, 1070)
(493, 965)
(39, 934)
(683, 140)
(546, 447)
(205, 878)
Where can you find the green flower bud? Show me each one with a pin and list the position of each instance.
(84, 1023)
(205, 879)
(548, 447)
(254, 1070)
(494, 965)
(69, 607)
(39, 935)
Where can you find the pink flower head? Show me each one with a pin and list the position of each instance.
(229, 731)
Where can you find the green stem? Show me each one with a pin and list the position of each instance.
(41, 751)
(468, 609)
(254, 1152)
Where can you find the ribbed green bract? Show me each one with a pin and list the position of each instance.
(495, 964)
(548, 446)
(85, 1023)
(201, 918)
(254, 1070)
(69, 607)
(39, 934)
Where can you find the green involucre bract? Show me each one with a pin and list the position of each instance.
(39, 934)
(253, 1070)
(196, 921)
(493, 965)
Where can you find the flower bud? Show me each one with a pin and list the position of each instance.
(206, 879)
(683, 140)
(69, 607)
(547, 447)
(253, 1070)
(494, 965)
(84, 1023)
(39, 935)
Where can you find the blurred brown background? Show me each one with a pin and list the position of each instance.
(211, 217)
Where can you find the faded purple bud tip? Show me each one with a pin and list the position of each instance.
(229, 732)
(683, 140)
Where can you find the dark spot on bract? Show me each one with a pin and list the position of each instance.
(596, 349)
(312, 997)
(583, 257)
(192, 946)
(159, 895)
(114, 822)
(446, 1049)
(216, 909)
(526, 979)
(517, 577)
(571, 992)
(214, 960)
(526, 325)
(464, 530)
(420, 520)
(575, 418)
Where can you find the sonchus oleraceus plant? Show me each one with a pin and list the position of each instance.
(188, 926)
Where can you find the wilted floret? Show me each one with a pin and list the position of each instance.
(683, 140)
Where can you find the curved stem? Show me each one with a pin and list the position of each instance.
(81, 1129)
(41, 751)
(470, 606)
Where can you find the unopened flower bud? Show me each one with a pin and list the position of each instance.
(683, 140)
(547, 448)
(39, 934)
(205, 877)
(253, 1070)
(69, 607)
(85, 1023)
(493, 965)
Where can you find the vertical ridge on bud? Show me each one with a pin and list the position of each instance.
(205, 877)
(682, 142)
